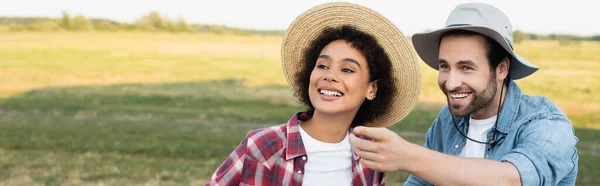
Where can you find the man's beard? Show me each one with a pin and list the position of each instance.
(480, 100)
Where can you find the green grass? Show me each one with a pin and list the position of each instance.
(164, 135)
(166, 109)
(144, 131)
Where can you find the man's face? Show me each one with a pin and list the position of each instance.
(464, 75)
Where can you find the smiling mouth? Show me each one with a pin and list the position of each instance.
(331, 93)
(459, 96)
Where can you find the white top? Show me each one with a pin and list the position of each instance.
(478, 130)
(327, 163)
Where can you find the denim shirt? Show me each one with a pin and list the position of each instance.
(539, 139)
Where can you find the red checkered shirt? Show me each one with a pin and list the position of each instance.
(276, 156)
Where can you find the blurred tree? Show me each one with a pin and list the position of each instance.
(65, 21)
(542, 37)
(243, 32)
(518, 36)
(182, 26)
(218, 30)
(152, 22)
(43, 26)
(127, 26)
(17, 27)
(80, 23)
(532, 36)
(169, 26)
(104, 25)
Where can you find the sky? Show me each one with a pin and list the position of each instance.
(537, 16)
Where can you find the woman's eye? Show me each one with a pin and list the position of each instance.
(322, 66)
(347, 70)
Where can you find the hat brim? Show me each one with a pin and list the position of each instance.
(427, 46)
(405, 68)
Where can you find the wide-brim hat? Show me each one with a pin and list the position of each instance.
(312, 23)
(480, 18)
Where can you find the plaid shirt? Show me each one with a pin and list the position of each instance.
(276, 156)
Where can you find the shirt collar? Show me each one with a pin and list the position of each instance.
(295, 146)
(510, 108)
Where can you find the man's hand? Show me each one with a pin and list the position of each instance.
(386, 152)
(389, 152)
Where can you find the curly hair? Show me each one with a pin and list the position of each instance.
(379, 70)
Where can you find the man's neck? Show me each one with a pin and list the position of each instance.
(328, 128)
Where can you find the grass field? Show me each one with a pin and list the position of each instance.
(166, 109)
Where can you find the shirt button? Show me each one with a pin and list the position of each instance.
(304, 158)
(456, 146)
(299, 172)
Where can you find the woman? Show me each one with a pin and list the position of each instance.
(351, 67)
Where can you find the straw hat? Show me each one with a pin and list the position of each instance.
(405, 68)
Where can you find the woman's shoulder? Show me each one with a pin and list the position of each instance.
(262, 138)
(261, 144)
(267, 131)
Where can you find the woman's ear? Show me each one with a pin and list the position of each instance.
(372, 90)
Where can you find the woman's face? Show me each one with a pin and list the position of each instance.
(339, 83)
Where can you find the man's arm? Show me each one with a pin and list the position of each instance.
(546, 153)
(389, 152)
(442, 169)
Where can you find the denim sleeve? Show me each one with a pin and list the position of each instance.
(412, 179)
(415, 181)
(546, 151)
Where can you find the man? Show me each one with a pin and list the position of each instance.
(490, 133)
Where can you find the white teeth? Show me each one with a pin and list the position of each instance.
(458, 96)
(331, 93)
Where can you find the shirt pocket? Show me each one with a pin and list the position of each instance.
(255, 173)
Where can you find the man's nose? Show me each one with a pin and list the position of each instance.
(453, 81)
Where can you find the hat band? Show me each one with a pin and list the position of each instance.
(453, 25)
(459, 25)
